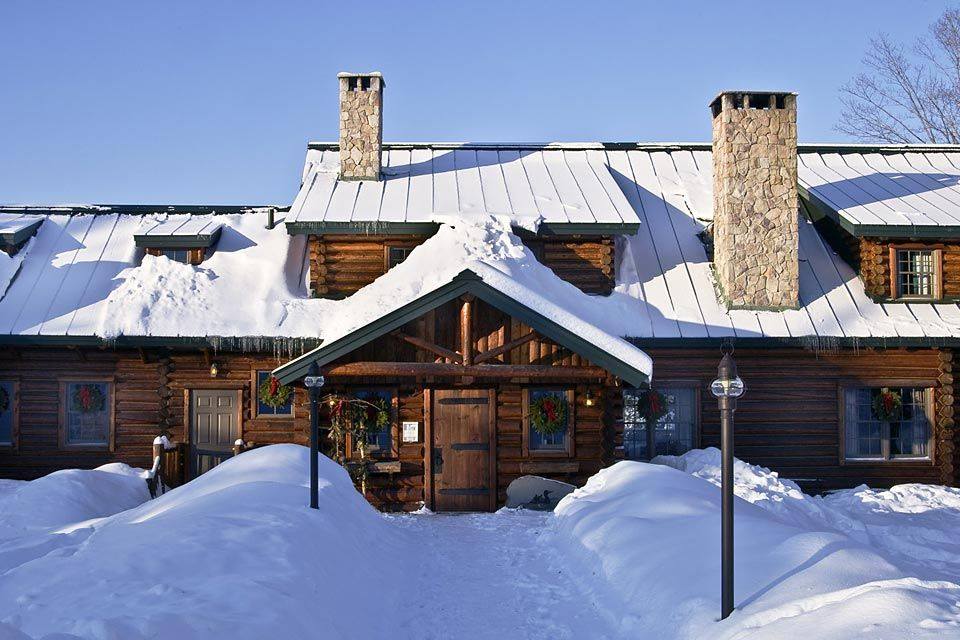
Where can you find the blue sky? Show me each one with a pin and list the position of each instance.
(214, 101)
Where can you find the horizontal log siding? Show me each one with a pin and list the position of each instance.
(875, 267)
(789, 417)
(340, 265)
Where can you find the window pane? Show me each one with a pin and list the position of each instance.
(380, 441)
(866, 433)
(87, 411)
(265, 409)
(397, 255)
(551, 441)
(675, 431)
(179, 255)
(6, 412)
(915, 273)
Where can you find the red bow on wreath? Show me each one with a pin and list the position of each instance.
(86, 398)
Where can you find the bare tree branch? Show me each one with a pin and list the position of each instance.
(907, 96)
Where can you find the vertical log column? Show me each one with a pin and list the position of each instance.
(466, 330)
(945, 432)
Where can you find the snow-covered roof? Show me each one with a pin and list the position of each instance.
(908, 191)
(16, 227)
(181, 231)
(564, 189)
(83, 276)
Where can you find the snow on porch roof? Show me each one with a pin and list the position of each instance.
(498, 289)
(552, 188)
(181, 232)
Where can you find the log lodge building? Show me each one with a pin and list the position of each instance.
(464, 283)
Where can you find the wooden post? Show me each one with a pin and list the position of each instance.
(466, 330)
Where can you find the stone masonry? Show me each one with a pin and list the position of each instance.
(755, 213)
(361, 125)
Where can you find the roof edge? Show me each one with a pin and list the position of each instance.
(803, 147)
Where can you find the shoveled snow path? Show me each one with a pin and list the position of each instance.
(493, 575)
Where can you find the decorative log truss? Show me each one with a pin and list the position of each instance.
(466, 362)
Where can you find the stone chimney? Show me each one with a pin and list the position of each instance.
(755, 217)
(361, 125)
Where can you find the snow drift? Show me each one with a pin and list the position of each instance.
(234, 554)
(67, 497)
(652, 534)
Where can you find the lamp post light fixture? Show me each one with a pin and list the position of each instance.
(727, 388)
(313, 381)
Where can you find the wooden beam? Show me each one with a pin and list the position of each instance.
(510, 346)
(504, 371)
(427, 346)
(466, 329)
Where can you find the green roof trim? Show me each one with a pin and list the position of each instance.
(466, 282)
(174, 241)
(429, 228)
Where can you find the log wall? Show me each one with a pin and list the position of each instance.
(342, 264)
(875, 265)
(788, 420)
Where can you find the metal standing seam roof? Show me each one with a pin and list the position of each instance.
(665, 288)
(898, 192)
(15, 228)
(181, 231)
(564, 189)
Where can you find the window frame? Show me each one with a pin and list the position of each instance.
(195, 255)
(255, 399)
(936, 250)
(63, 442)
(569, 448)
(677, 383)
(13, 445)
(380, 454)
(406, 246)
(885, 458)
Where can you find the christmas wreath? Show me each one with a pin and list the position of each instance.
(88, 398)
(4, 400)
(652, 405)
(548, 414)
(371, 416)
(273, 394)
(888, 406)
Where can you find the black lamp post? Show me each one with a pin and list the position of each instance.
(313, 381)
(727, 388)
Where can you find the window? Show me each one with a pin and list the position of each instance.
(553, 405)
(868, 437)
(186, 256)
(177, 255)
(396, 255)
(9, 399)
(916, 273)
(87, 410)
(676, 431)
(382, 441)
(261, 381)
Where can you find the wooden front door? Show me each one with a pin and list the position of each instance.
(214, 427)
(463, 453)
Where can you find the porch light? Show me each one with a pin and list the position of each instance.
(214, 369)
(728, 384)
(588, 400)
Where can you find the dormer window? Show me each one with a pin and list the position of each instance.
(182, 238)
(396, 255)
(15, 230)
(916, 273)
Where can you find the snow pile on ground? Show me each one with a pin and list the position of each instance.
(915, 523)
(651, 534)
(236, 554)
(67, 497)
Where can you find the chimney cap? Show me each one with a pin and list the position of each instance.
(720, 94)
(369, 74)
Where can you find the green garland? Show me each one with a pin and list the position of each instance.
(888, 406)
(548, 415)
(4, 400)
(87, 398)
(273, 394)
(652, 405)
